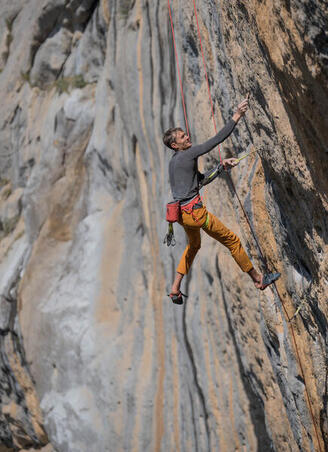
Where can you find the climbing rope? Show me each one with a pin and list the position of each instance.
(206, 76)
(177, 61)
(245, 214)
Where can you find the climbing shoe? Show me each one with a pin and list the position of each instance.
(269, 278)
(177, 297)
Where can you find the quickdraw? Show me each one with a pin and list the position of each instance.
(169, 239)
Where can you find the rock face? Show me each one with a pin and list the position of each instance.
(93, 355)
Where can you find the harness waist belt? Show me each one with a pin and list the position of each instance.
(196, 202)
(184, 202)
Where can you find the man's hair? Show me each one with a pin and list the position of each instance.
(169, 136)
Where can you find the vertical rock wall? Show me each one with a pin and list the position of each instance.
(93, 355)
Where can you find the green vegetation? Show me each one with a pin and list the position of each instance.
(6, 193)
(3, 181)
(124, 8)
(8, 225)
(19, 235)
(9, 23)
(78, 81)
(9, 39)
(65, 84)
(26, 76)
(62, 84)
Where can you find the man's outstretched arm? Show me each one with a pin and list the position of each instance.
(201, 149)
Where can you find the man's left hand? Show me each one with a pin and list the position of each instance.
(229, 163)
(241, 109)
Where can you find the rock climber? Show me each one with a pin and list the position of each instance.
(185, 184)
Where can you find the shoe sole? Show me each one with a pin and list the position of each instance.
(269, 279)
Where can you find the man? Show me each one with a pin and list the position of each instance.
(185, 181)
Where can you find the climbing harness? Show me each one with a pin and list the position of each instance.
(189, 206)
(173, 214)
(307, 394)
(194, 204)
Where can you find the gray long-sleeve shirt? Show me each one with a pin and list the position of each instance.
(183, 170)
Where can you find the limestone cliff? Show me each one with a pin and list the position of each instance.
(94, 357)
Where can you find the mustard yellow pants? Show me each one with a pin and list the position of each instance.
(201, 218)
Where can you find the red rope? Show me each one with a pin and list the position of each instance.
(177, 61)
(206, 76)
